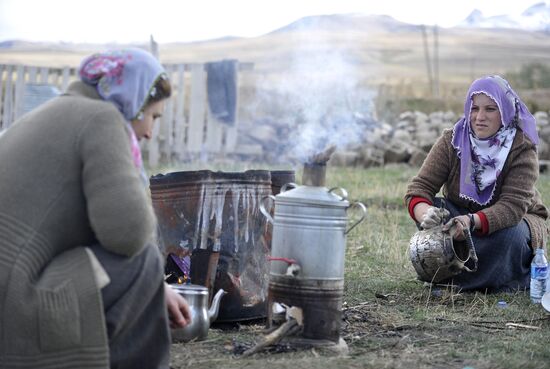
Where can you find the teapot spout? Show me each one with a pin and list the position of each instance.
(214, 309)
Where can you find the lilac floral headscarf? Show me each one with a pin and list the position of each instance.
(125, 78)
(482, 160)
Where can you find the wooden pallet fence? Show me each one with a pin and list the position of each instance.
(187, 129)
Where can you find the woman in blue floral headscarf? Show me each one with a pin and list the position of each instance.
(487, 167)
(82, 281)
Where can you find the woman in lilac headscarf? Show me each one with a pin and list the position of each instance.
(487, 167)
(81, 278)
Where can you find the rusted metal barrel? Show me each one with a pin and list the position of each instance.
(280, 178)
(214, 218)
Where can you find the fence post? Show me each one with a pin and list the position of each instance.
(167, 123)
(2, 68)
(197, 109)
(19, 92)
(179, 124)
(65, 74)
(7, 115)
(44, 74)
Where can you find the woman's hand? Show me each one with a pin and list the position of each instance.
(457, 225)
(429, 216)
(179, 312)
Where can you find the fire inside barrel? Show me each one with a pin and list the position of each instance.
(213, 218)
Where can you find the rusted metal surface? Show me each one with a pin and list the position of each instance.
(320, 300)
(280, 178)
(214, 217)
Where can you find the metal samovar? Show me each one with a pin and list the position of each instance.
(310, 224)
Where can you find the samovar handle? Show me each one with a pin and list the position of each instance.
(363, 208)
(344, 195)
(284, 187)
(264, 211)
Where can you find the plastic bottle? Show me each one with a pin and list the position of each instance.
(539, 275)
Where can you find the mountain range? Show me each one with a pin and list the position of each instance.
(534, 18)
(354, 48)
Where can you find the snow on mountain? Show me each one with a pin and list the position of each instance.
(534, 18)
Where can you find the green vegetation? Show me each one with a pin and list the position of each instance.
(531, 76)
(391, 320)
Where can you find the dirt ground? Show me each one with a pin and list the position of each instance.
(384, 333)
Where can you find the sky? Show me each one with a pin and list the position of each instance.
(122, 21)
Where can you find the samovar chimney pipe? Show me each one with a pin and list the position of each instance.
(314, 174)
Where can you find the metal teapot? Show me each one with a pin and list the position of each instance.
(201, 316)
(436, 256)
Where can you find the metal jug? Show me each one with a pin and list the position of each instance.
(201, 316)
(436, 256)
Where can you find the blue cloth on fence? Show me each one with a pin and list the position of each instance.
(504, 258)
(221, 86)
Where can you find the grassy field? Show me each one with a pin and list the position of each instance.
(391, 320)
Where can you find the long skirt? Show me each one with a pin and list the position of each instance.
(504, 258)
(135, 309)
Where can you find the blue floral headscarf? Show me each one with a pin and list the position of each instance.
(482, 160)
(125, 78)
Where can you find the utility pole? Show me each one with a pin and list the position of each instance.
(427, 58)
(436, 62)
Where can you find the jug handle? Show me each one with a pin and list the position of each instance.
(473, 255)
(263, 210)
(344, 194)
(284, 187)
(363, 208)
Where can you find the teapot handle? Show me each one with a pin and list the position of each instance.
(363, 208)
(263, 210)
(343, 192)
(472, 255)
(284, 187)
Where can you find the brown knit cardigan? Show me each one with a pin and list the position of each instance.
(515, 197)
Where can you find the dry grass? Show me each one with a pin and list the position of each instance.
(391, 320)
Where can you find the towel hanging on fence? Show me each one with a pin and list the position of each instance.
(221, 86)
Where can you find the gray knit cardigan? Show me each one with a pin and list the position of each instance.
(67, 180)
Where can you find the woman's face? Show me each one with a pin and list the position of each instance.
(144, 128)
(485, 118)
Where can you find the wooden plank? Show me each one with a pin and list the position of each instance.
(195, 133)
(32, 71)
(152, 148)
(54, 76)
(65, 76)
(7, 115)
(214, 134)
(167, 125)
(19, 92)
(2, 69)
(44, 74)
(179, 121)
